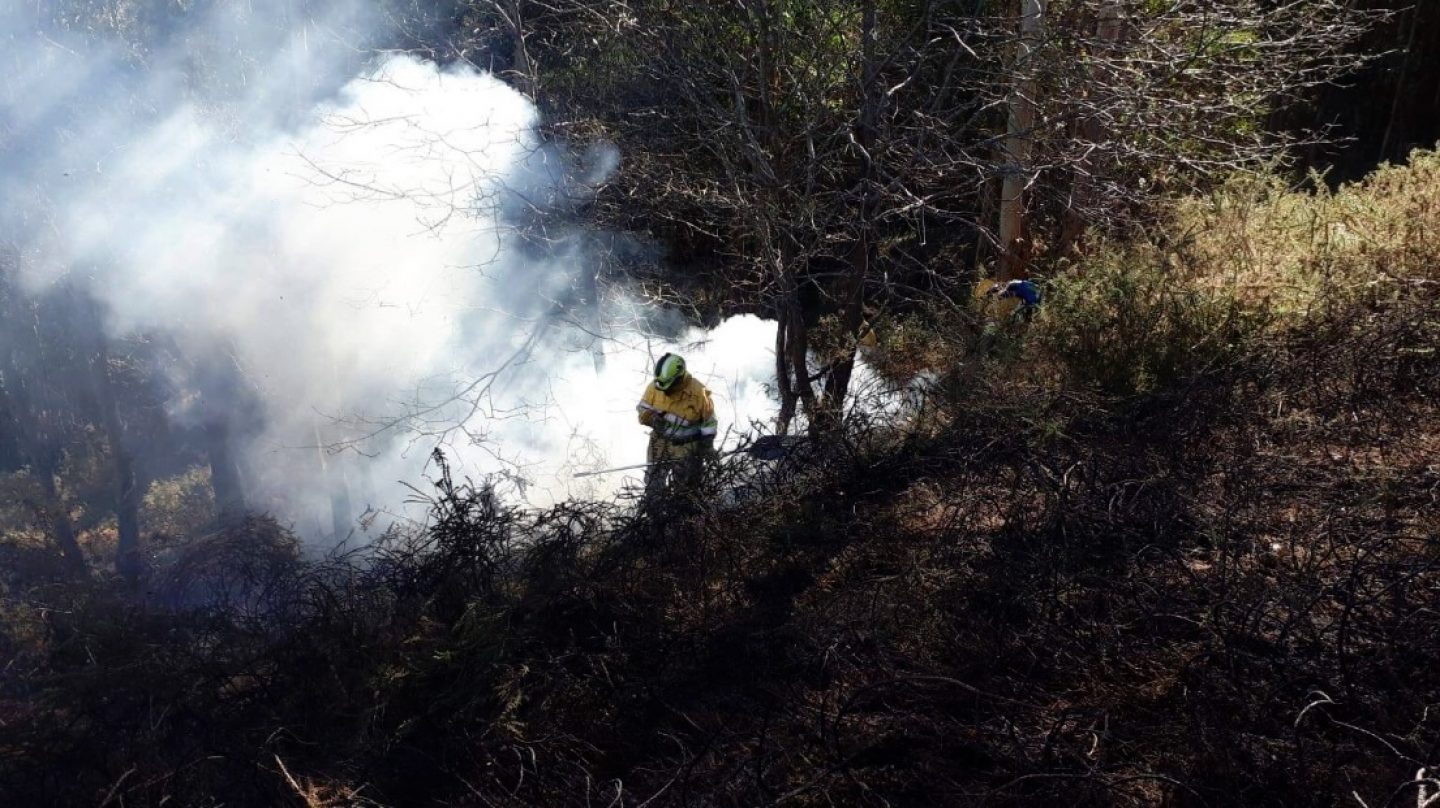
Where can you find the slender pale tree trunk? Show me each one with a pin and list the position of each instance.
(1019, 141)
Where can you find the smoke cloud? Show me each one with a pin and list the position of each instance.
(363, 258)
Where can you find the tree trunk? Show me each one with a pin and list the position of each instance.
(1019, 142)
(128, 560)
(862, 254)
(54, 513)
(1092, 131)
(1399, 87)
(792, 351)
(783, 386)
(225, 477)
(522, 71)
(338, 486)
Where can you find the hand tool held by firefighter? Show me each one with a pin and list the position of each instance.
(768, 447)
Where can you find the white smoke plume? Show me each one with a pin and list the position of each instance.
(358, 257)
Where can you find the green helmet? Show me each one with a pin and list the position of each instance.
(669, 371)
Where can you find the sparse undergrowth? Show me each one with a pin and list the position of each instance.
(1174, 547)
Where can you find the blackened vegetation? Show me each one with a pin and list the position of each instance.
(1222, 594)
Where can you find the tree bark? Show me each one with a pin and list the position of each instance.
(862, 253)
(783, 386)
(1019, 141)
(1399, 87)
(522, 71)
(225, 478)
(52, 510)
(128, 560)
(792, 350)
(338, 486)
(1092, 132)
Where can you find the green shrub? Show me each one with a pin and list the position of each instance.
(1129, 324)
(1251, 259)
(179, 506)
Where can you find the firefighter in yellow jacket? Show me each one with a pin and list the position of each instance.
(681, 417)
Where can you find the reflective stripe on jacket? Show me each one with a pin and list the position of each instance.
(682, 415)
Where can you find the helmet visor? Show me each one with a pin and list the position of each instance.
(669, 371)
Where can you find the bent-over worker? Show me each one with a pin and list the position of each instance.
(1006, 303)
(681, 417)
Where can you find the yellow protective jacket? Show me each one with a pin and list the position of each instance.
(994, 308)
(683, 415)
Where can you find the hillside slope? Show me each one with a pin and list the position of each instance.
(1176, 545)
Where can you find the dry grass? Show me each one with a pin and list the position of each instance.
(1295, 251)
(1240, 267)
